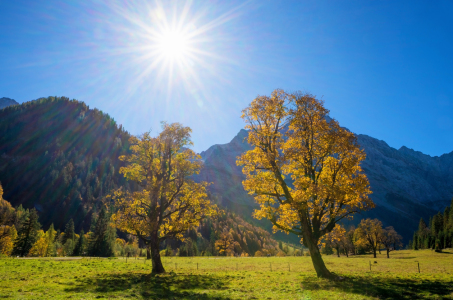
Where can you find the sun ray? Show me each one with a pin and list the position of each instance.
(164, 45)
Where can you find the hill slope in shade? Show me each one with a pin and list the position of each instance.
(61, 157)
(5, 102)
(406, 184)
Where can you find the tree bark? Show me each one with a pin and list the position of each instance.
(388, 253)
(158, 268)
(318, 263)
(374, 252)
(338, 251)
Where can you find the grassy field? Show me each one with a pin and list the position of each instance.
(231, 278)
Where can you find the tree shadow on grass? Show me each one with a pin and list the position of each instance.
(386, 288)
(165, 286)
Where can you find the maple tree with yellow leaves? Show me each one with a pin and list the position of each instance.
(368, 235)
(225, 244)
(8, 236)
(304, 169)
(169, 202)
(337, 238)
(8, 231)
(7, 214)
(39, 248)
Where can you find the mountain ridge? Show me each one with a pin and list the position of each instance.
(406, 184)
(5, 102)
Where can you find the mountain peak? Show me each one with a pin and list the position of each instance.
(5, 102)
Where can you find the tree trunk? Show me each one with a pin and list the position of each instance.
(158, 268)
(388, 252)
(346, 252)
(318, 263)
(374, 252)
(338, 251)
(148, 253)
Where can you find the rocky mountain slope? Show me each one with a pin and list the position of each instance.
(5, 102)
(406, 184)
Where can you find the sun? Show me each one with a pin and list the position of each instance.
(173, 44)
(169, 44)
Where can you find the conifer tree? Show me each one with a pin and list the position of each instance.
(212, 242)
(194, 249)
(415, 242)
(103, 237)
(57, 236)
(20, 217)
(50, 236)
(79, 248)
(451, 214)
(69, 233)
(427, 242)
(27, 234)
(437, 224)
(446, 217)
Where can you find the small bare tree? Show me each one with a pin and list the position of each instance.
(390, 239)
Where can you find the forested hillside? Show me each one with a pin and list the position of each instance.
(225, 234)
(60, 157)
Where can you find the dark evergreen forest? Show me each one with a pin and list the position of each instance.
(437, 234)
(61, 158)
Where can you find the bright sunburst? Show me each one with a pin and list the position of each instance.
(173, 44)
(169, 44)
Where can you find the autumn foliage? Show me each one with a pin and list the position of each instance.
(304, 169)
(169, 201)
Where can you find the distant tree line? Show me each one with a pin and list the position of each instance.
(21, 234)
(438, 234)
(223, 235)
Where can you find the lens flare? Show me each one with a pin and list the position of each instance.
(173, 45)
(167, 50)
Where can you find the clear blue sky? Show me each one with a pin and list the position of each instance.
(384, 69)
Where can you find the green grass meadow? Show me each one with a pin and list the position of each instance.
(231, 278)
